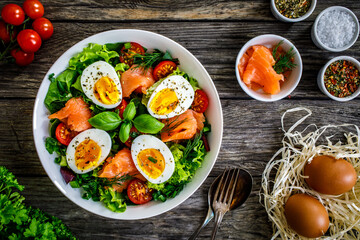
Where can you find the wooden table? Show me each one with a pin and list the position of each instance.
(214, 31)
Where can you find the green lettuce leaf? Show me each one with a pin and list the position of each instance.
(113, 200)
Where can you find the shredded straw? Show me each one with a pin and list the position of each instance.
(287, 164)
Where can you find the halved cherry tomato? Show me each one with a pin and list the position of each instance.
(127, 54)
(33, 8)
(122, 107)
(43, 27)
(201, 101)
(29, 40)
(63, 134)
(130, 139)
(138, 192)
(5, 34)
(163, 69)
(13, 14)
(22, 58)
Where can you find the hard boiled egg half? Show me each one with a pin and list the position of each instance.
(172, 97)
(101, 84)
(88, 150)
(152, 158)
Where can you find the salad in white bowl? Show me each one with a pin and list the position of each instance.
(127, 125)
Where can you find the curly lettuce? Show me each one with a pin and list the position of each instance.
(187, 160)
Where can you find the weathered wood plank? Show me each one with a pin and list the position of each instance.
(178, 223)
(216, 45)
(167, 10)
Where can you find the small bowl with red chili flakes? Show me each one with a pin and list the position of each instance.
(339, 79)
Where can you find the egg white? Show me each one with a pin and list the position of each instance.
(183, 90)
(147, 141)
(101, 137)
(92, 74)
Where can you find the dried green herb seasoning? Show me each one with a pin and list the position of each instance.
(293, 8)
(341, 78)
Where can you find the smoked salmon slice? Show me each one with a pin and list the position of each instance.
(183, 126)
(136, 78)
(75, 115)
(256, 68)
(118, 166)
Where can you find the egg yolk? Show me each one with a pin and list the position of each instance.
(164, 102)
(151, 162)
(87, 154)
(105, 90)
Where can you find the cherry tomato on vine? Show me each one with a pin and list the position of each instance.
(5, 34)
(138, 192)
(201, 101)
(63, 134)
(33, 8)
(163, 69)
(29, 40)
(22, 58)
(13, 14)
(122, 107)
(43, 27)
(129, 50)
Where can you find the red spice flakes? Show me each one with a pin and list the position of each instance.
(341, 78)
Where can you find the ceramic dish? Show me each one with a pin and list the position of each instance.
(321, 84)
(270, 40)
(316, 39)
(281, 17)
(189, 64)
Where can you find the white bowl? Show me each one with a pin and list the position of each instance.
(189, 64)
(321, 84)
(315, 38)
(270, 40)
(281, 17)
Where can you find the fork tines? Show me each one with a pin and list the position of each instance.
(227, 186)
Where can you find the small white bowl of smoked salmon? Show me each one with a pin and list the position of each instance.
(268, 67)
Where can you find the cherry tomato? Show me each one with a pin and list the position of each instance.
(122, 107)
(43, 27)
(138, 192)
(22, 58)
(201, 101)
(163, 69)
(13, 14)
(63, 134)
(127, 54)
(5, 34)
(33, 8)
(131, 138)
(29, 40)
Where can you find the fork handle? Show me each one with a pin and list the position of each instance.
(218, 218)
(208, 218)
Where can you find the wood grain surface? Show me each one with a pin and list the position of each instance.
(214, 31)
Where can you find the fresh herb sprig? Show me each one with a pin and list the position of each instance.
(151, 59)
(283, 61)
(191, 144)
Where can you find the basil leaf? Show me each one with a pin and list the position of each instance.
(105, 121)
(124, 132)
(147, 124)
(130, 111)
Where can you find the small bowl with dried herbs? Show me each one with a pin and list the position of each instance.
(339, 79)
(292, 10)
(268, 67)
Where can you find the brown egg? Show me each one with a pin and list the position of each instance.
(306, 215)
(329, 175)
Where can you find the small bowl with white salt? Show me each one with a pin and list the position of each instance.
(335, 29)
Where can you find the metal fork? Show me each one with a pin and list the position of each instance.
(221, 203)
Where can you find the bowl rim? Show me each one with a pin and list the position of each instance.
(322, 73)
(246, 88)
(293, 20)
(356, 34)
(39, 143)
